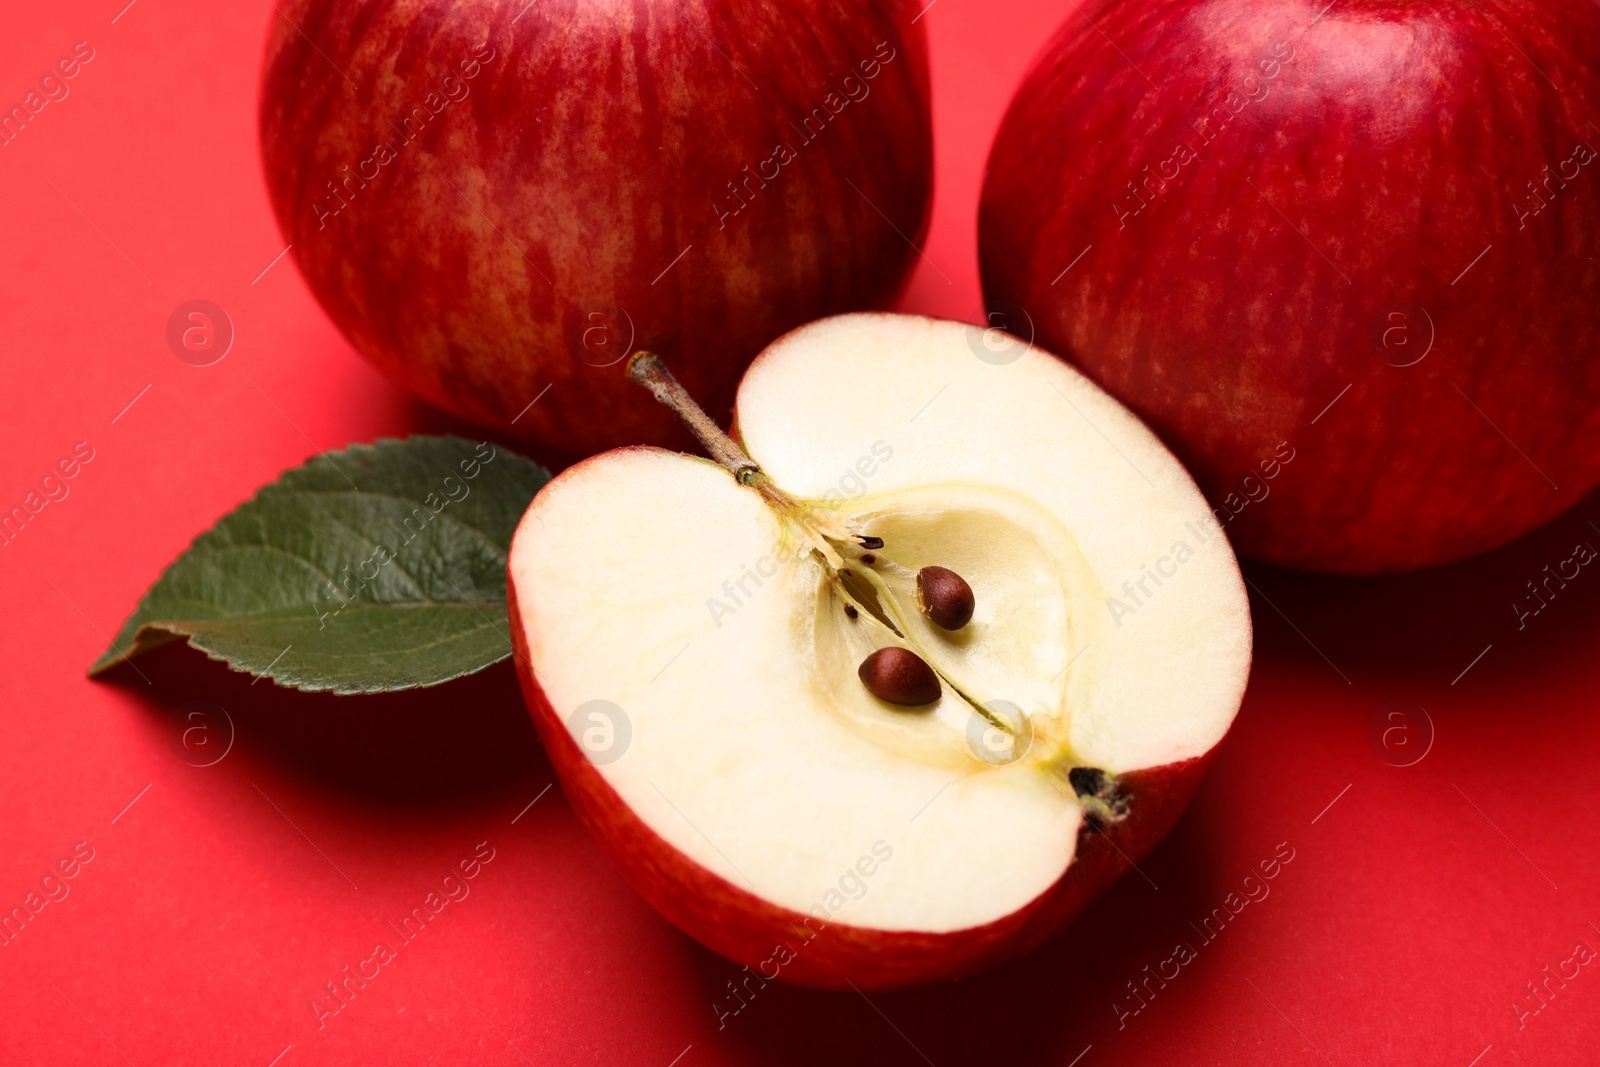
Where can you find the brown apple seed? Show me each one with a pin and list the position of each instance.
(945, 596)
(899, 676)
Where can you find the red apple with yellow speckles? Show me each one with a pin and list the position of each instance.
(496, 200)
(1344, 258)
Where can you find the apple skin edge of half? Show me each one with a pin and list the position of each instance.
(743, 927)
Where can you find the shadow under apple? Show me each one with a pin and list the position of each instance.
(1051, 1002)
(1532, 600)
(420, 417)
(423, 417)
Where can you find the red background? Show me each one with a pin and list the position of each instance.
(1413, 913)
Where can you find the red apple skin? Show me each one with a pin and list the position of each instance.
(832, 955)
(531, 228)
(1369, 157)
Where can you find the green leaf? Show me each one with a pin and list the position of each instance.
(377, 568)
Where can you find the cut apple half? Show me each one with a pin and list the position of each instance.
(888, 693)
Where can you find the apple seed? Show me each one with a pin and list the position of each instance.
(899, 676)
(945, 596)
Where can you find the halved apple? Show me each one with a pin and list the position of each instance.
(700, 641)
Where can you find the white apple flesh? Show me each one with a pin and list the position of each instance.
(751, 787)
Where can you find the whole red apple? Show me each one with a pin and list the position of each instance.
(496, 200)
(1344, 257)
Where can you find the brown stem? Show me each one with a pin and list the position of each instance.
(646, 369)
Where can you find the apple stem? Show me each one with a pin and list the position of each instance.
(647, 369)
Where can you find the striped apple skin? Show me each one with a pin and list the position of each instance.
(492, 198)
(768, 938)
(1370, 159)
